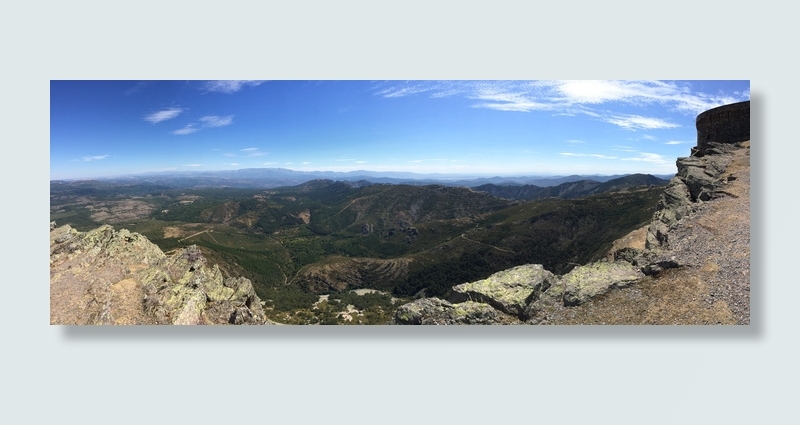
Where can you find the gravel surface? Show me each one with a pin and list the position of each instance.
(715, 241)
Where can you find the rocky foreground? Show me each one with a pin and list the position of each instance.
(111, 277)
(691, 265)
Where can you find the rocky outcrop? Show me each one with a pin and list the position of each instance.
(586, 282)
(510, 291)
(433, 311)
(105, 276)
(701, 177)
(523, 293)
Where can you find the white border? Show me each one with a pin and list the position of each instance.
(631, 375)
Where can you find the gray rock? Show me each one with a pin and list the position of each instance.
(585, 282)
(105, 276)
(509, 291)
(434, 311)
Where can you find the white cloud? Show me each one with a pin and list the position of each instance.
(230, 86)
(361, 162)
(207, 121)
(166, 114)
(601, 91)
(252, 152)
(652, 158)
(675, 142)
(504, 101)
(591, 155)
(649, 137)
(188, 129)
(216, 121)
(94, 157)
(575, 142)
(192, 165)
(634, 122)
(234, 164)
(564, 97)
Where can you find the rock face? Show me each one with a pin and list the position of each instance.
(117, 277)
(701, 177)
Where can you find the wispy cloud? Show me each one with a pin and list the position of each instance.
(503, 101)
(652, 158)
(137, 87)
(163, 115)
(590, 155)
(208, 121)
(188, 129)
(576, 142)
(94, 157)
(634, 122)
(233, 164)
(229, 86)
(675, 142)
(252, 152)
(192, 165)
(667, 93)
(564, 98)
(216, 121)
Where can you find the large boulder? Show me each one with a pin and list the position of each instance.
(588, 281)
(433, 311)
(509, 291)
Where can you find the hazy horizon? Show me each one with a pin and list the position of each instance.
(366, 173)
(105, 129)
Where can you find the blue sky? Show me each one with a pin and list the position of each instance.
(110, 128)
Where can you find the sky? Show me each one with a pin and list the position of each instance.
(469, 128)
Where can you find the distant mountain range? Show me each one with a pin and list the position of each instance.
(571, 189)
(277, 177)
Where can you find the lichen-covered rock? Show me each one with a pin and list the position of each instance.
(105, 276)
(509, 291)
(585, 282)
(434, 311)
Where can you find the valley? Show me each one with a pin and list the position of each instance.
(307, 247)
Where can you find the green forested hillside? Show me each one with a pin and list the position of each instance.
(326, 237)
